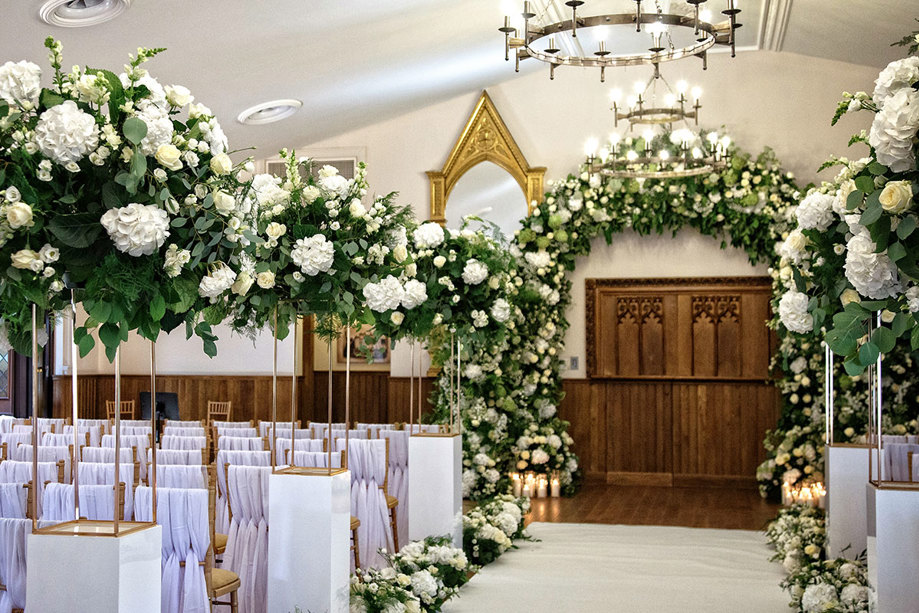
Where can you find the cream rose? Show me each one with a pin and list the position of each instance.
(275, 230)
(224, 202)
(169, 157)
(19, 215)
(397, 318)
(242, 284)
(440, 261)
(265, 279)
(896, 197)
(849, 295)
(177, 95)
(24, 259)
(400, 253)
(221, 164)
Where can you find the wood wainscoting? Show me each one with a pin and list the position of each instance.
(375, 397)
(678, 392)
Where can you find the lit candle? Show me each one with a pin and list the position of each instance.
(556, 487)
(787, 495)
(527, 491)
(518, 486)
(541, 487)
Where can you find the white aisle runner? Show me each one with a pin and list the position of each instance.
(584, 568)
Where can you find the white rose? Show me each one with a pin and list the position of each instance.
(397, 318)
(19, 215)
(265, 279)
(224, 202)
(137, 229)
(275, 230)
(169, 157)
(65, 134)
(20, 83)
(178, 95)
(220, 279)
(849, 295)
(897, 197)
(24, 259)
(242, 284)
(439, 261)
(49, 254)
(400, 253)
(221, 164)
(357, 209)
(501, 310)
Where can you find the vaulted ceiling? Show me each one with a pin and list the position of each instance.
(356, 62)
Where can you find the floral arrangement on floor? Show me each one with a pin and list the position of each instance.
(815, 583)
(492, 527)
(424, 575)
(116, 185)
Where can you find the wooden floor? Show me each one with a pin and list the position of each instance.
(740, 509)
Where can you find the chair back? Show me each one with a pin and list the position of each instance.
(96, 502)
(317, 459)
(264, 427)
(13, 500)
(127, 409)
(218, 411)
(180, 457)
(184, 431)
(242, 443)
(61, 453)
(13, 536)
(183, 442)
(104, 474)
(87, 423)
(181, 476)
(93, 434)
(106, 455)
(189, 423)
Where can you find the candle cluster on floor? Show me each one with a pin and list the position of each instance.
(813, 494)
(531, 485)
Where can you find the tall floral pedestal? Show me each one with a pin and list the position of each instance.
(846, 474)
(893, 555)
(435, 486)
(101, 572)
(309, 545)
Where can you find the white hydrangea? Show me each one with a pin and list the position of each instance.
(333, 183)
(217, 281)
(20, 82)
(539, 456)
(159, 127)
(428, 235)
(815, 212)
(474, 272)
(896, 76)
(894, 130)
(157, 92)
(538, 259)
(268, 191)
(793, 312)
(424, 585)
(415, 293)
(385, 295)
(473, 372)
(501, 310)
(506, 522)
(819, 597)
(872, 274)
(137, 229)
(313, 255)
(66, 134)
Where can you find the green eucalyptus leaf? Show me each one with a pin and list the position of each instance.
(134, 130)
(906, 227)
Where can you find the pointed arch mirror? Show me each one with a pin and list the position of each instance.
(486, 175)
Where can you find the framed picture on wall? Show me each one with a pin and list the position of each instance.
(365, 355)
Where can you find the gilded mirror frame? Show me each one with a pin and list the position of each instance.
(484, 138)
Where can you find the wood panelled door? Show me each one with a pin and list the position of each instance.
(678, 379)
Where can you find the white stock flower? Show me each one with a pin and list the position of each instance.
(415, 293)
(897, 75)
(428, 235)
(66, 134)
(137, 229)
(474, 272)
(175, 259)
(894, 130)
(815, 212)
(219, 280)
(20, 82)
(385, 295)
(872, 274)
(313, 255)
(793, 312)
(501, 310)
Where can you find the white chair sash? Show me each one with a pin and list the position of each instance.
(90, 423)
(95, 434)
(13, 498)
(97, 502)
(140, 443)
(247, 545)
(237, 458)
(12, 471)
(102, 455)
(398, 474)
(135, 423)
(104, 474)
(896, 456)
(305, 444)
(42, 429)
(183, 442)
(13, 535)
(367, 463)
(240, 432)
(135, 430)
(316, 459)
(45, 454)
(183, 431)
(6, 423)
(415, 428)
(179, 476)
(15, 438)
(241, 443)
(182, 457)
(231, 425)
(189, 423)
(319, 428)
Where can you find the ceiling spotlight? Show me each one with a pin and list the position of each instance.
(81, 13)
(269, 112)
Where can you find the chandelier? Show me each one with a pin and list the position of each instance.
(697, 34)
(664, 154)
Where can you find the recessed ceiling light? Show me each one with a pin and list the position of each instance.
(81, 13)
(269, 112)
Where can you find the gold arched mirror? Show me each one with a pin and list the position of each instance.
(485, 175)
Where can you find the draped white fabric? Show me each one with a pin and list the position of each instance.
(367, 463)
(104, 423)
(179, 476)
(374, 429)
(14, 438)
(423, 428)
(95, 434)
(140, 443)
(247, 542)
(188, 457)
(241, 443)
(101, 455)
(305, 444)
(316, 459)
(6, 423)
(398, 476)
(186, 535)
(190, 423)
(319, 428)
(896, 457)
(231, 425)
(183, 431)
(42, 429)
(96, 502)
(13, 534)
(233, 457)
(264, 429)
(104, 474)
(23, 453)
(247, 432)
(135, 423)
(13, 498)
(20, 473)
(183, 442)
(135, 430)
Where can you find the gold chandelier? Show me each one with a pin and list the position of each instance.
(542, 42)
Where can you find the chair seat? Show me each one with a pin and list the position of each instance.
(355, 523)
(391, 502)
(220, 543)
(223, 582)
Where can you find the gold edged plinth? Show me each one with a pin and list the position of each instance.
(907, 486)
(94, 527)
(436, 434)
(310, 471)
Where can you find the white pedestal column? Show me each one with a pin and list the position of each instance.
(95, 573)
(893, 559)
(846, 474)
(435, 487)
(309, 546)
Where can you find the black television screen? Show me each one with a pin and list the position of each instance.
(167, 405)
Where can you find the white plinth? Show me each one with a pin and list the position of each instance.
(893, 559)
(309, 543)
(435, 487)
(846, 474)
(95, 573)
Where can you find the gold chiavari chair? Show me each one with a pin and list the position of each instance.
(127, 409)
(219, 581)
(391, 503)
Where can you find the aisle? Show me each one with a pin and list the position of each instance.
(629, 569)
